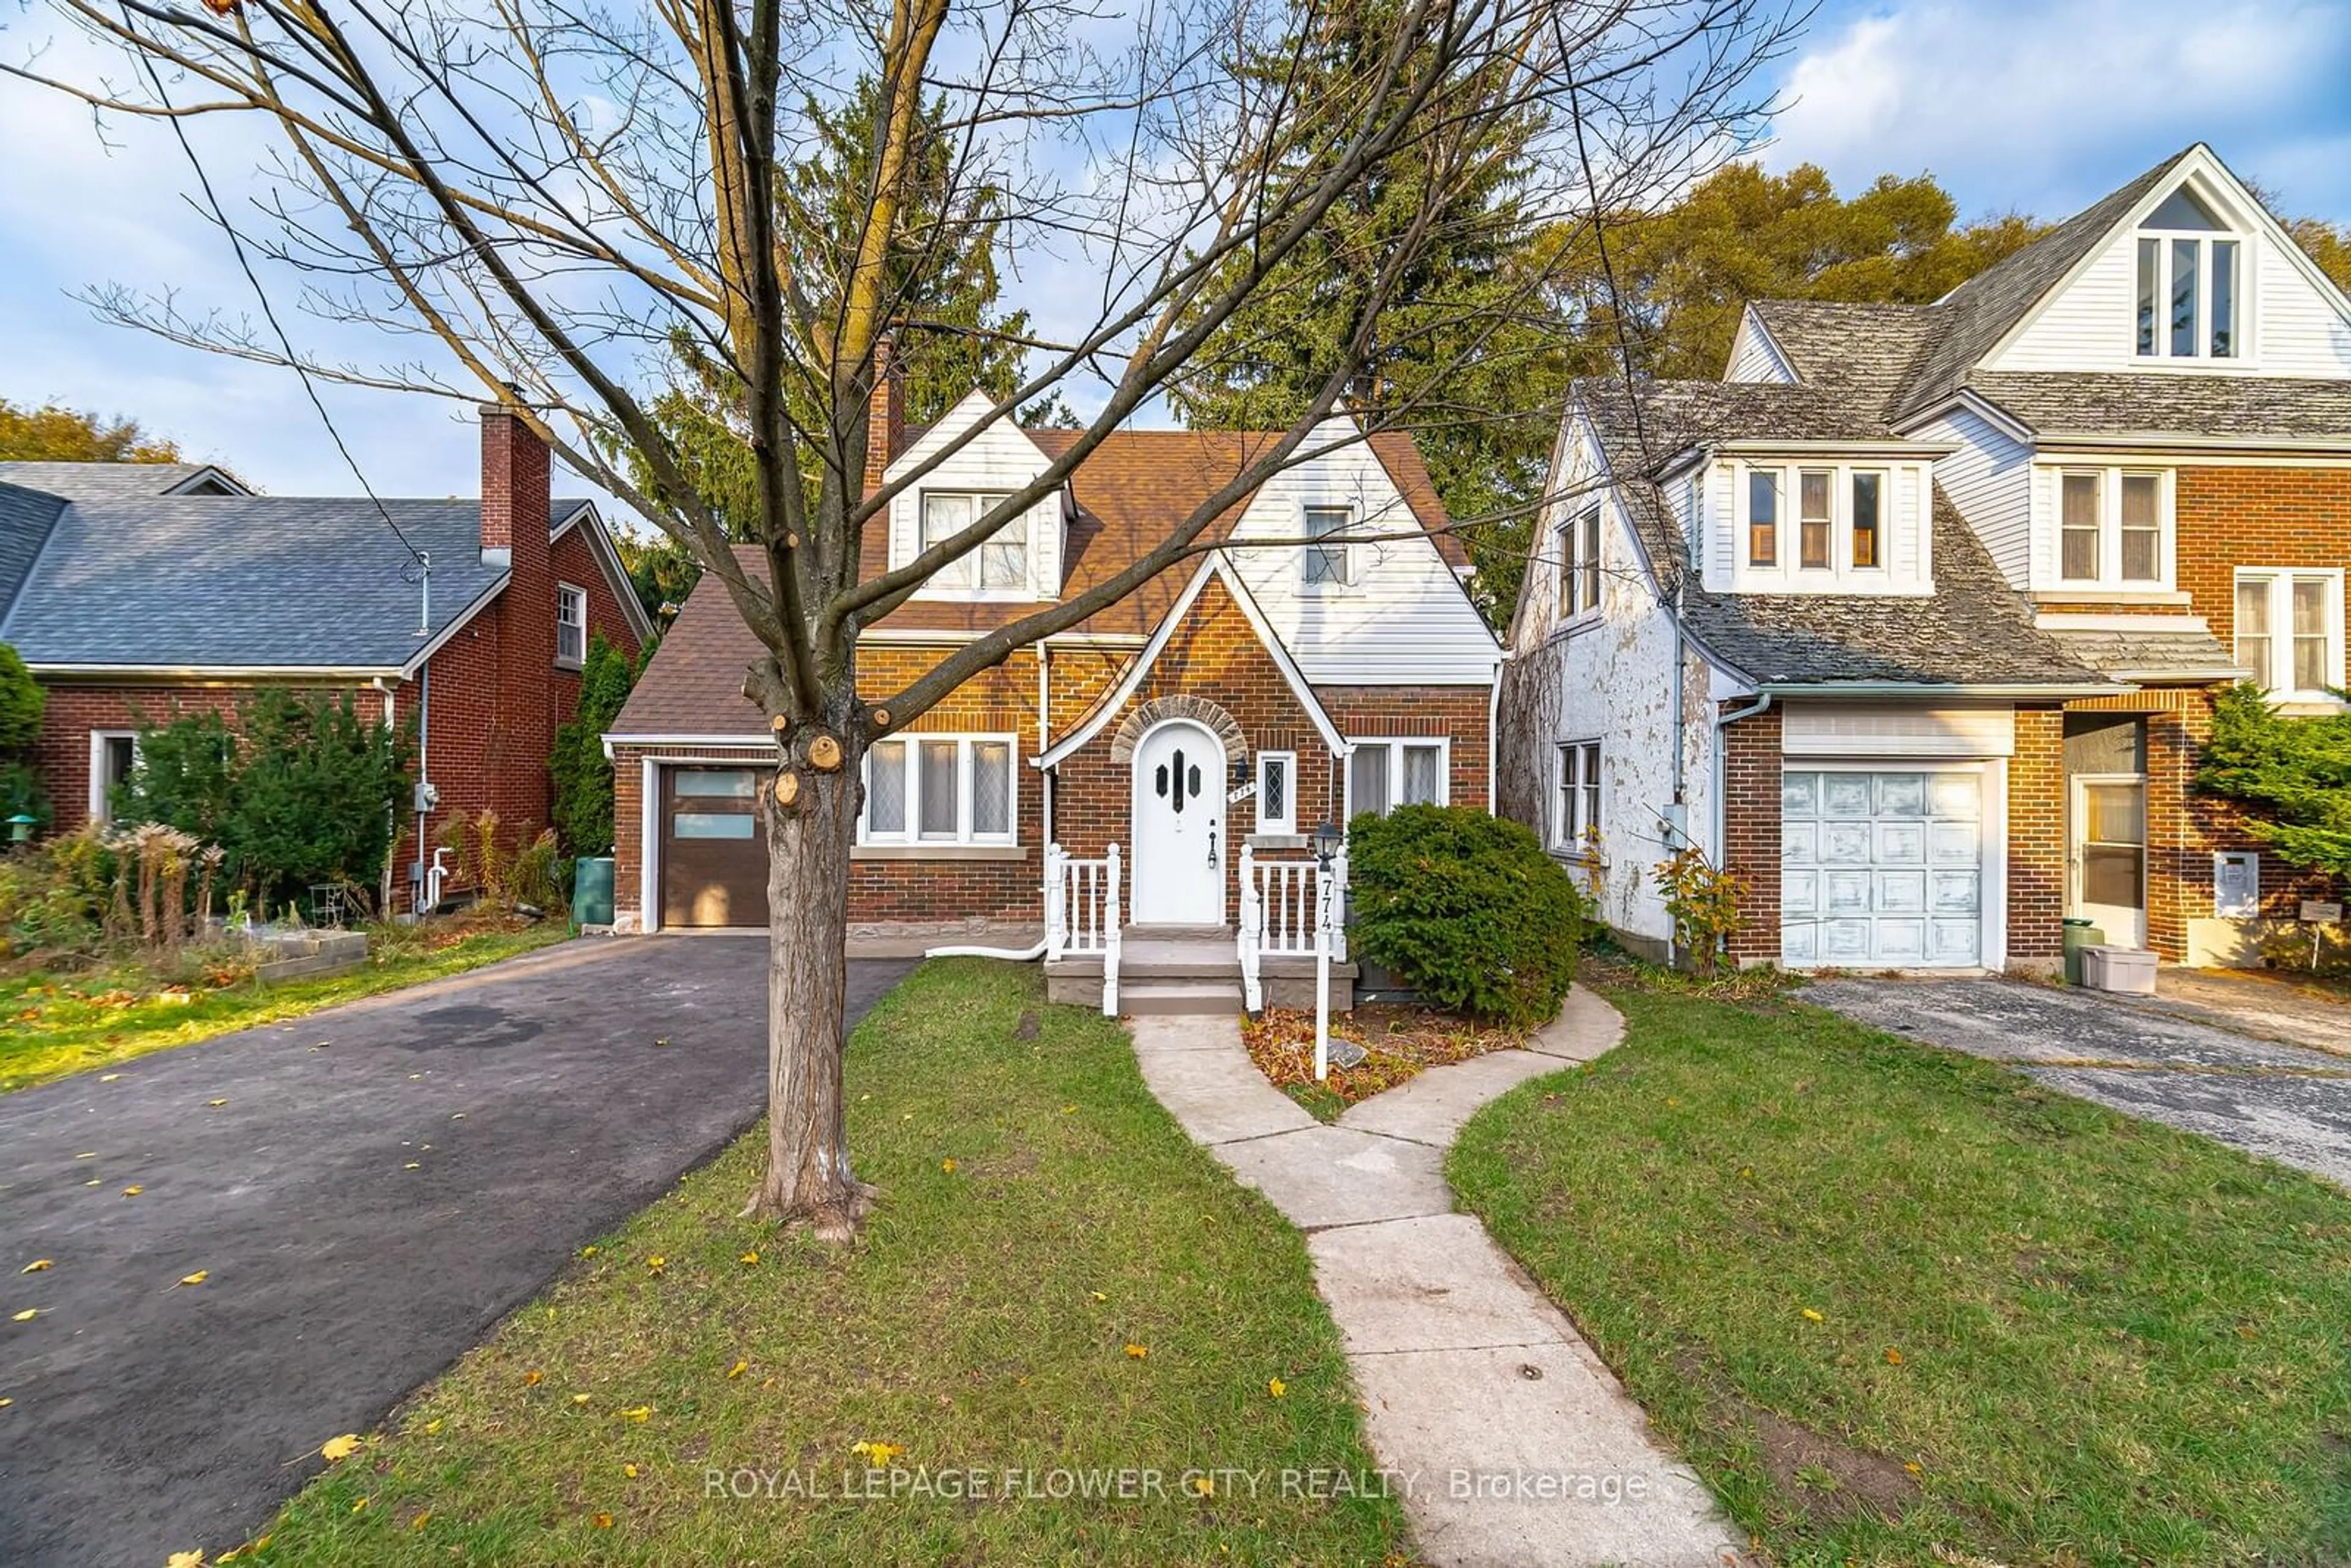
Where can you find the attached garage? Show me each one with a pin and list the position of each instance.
(714, 861)
(1893, 826)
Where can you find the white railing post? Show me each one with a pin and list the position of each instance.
(1321, 976)
(1252, 932)
(1057, 907)
(1110, 925)
(1337, 918)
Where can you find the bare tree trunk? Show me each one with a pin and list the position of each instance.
(809, 1178)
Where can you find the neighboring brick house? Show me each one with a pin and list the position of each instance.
(135, 592)
(1238, 699)
(1943, 594)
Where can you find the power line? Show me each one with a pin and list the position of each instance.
(270, 313)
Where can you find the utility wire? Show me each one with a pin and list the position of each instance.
(270, 313)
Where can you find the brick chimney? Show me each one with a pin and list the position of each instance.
(514, 491)
(885, 415)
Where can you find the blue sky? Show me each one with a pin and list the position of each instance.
(2039, 107)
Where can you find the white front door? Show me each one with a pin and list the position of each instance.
(1881, 869)
(2109, 856)
(1179, 827)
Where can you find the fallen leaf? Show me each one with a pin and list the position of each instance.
(185, 1559)
(877, 1454)
(132, 1191)
(5, 1402)
(433, 1427)
(28, 1314)
(533, 1377)
(91, 1156)
(91, 1182)
(579, 1399)
(1815, 1316)
(343, 1447)
(1098, 1296)
(603, 1521)
(588, 1251)
(1275, 1386)
(38, 1266)
(948, 1165)
(738, 1369)
(456, 1115)
(1138, 1351)
(1069, 1110)
(661, 1040)
(198, 1278)
(1204, 1486)
(107, 1077)
(629, 1471)
(215, 1104)
(414, 1166)
(656, 1263)
(1893, 1357)
(749, 1260)
(361, 1506)
(640, 1413)
(418, 1522)
(1913, 1468)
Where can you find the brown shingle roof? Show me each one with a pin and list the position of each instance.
(1131, 493)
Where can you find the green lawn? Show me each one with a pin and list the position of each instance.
(983, 1323)
(56, 1024)
(1895, 1303)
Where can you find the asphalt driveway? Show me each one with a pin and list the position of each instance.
(383, 1183)
(2289, 1102)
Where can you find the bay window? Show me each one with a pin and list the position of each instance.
(939, 789)
(2289, 629)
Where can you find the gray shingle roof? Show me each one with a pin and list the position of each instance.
(2190, 653)
(1864, 351)
(26, 519)
(2054, 403)
(1978, 313)
(1973, 630)
(101, 481)
(172, 582)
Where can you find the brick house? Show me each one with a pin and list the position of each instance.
(1914, 619)
(134, 592)
(1210, 720)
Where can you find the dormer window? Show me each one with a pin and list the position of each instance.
(1762, 518)
(1000, 565)
(1869, 518)
(2188, 289)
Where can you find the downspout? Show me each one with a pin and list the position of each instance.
(424, 771)
(1493, 719)
(1044, 721)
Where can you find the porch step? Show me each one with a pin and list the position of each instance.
(1172, 998)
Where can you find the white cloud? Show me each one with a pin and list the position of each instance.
(2047, 106)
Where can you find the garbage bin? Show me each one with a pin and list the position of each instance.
(592, 891)
(2079, 934)
(2126, 969)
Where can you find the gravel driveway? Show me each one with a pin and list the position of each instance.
(369, 1191)
(2289, 1102)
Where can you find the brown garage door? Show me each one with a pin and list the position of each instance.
(714, 861)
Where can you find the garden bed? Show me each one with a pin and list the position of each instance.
(1399, 1039)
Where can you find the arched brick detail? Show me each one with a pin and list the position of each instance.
(1199, 710)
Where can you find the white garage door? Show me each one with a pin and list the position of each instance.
(1881, 869)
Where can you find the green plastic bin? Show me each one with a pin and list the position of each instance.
(2079, 934)
(592, 891)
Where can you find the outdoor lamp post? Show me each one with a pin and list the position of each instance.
(20, 827)
(1327, 839)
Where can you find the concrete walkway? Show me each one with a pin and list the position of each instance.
(1514, 1445)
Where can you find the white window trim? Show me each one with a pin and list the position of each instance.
(2110, 527)
(2280, 633)
(1395, 745)
(564, 660)
(1788, 568)
(2246, 270)
(967, 776)
(1023, 592)
(99, 811)
(1571, 817)
(1288, 822)
(1350, 580)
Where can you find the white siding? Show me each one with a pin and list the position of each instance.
(1404, 620)
(2087, 325)
(1904, 544)
(1752, 357)
(1610, 678)
(2299, 332)
(999, 458)
(1987, 479)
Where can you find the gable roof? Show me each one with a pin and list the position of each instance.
(1130, 493)
(693, 687)
(1865, 351)
(26, 519)
(233, 582)
(1972, 631)
(118, 481)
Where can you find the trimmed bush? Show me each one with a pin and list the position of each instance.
(21, 701)
(1468, 909)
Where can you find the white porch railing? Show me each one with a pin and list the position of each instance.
(1081, 914)
(1283, 911)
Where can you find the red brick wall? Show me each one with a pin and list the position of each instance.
(62, 752)
(1750, 821)
(2228, 518)
(1216, 654)
(2036, 838)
